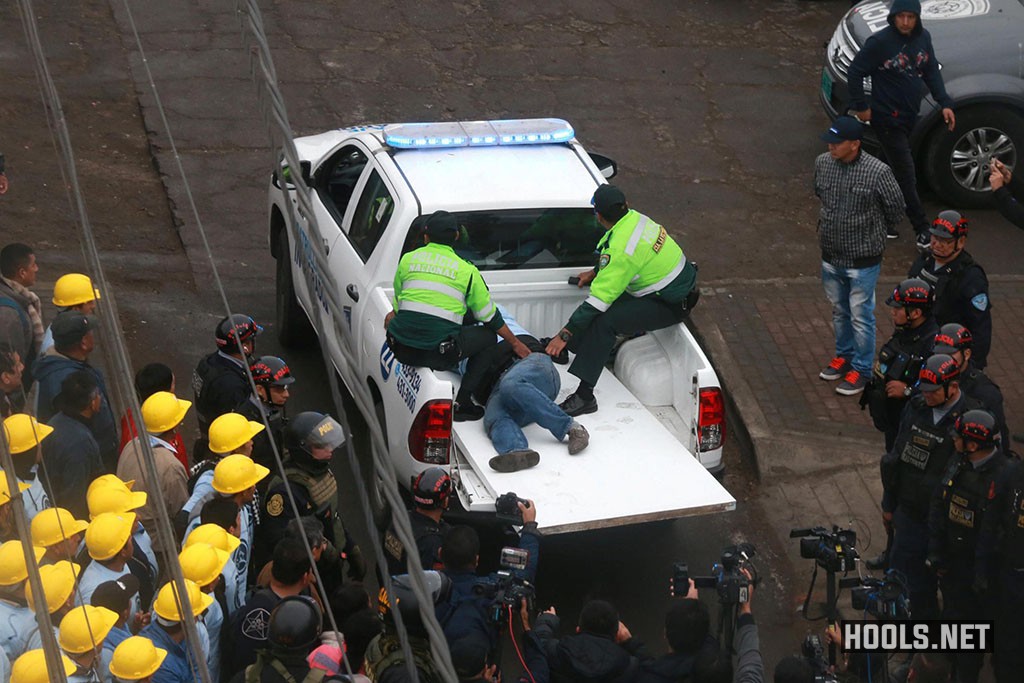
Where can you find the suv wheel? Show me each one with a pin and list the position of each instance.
(957, 163)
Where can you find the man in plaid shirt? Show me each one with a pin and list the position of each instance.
(860, 200)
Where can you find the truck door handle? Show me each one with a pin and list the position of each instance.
(352, 292)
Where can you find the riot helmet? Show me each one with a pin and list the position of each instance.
(271, 371)
(225, 334)
(952, 337)
(431, 489)
(978, 426)
(295, 624)
(438, 585)
(912, 293)
(949, 225)
(938, 371)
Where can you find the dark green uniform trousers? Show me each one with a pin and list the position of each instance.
(626, 315)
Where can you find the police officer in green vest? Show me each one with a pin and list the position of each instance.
(434, 289)
(637, 259)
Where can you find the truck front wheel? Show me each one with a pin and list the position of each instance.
(293, 328)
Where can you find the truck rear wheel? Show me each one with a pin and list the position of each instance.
(293, 328)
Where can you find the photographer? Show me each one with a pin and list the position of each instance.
(471, 609)
(688, 632)
(715, 666)
(602, 649)
(856, 666)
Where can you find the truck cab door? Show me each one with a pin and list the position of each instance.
(355, 257)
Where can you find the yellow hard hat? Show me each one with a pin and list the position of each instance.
(163, 411)
(113, 498)
(12, 562)
(5, 491)
(73, 289)
(111, 480)
(23, 432)
(230, 431)
(85, 628)
(58, 584)
(202, 563)
(136, 658)
(108, 533)
(166, 603)
(215, 535)
(53, 525)
(236, 473)
(31, 667)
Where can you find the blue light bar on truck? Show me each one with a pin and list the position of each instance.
(478, 133)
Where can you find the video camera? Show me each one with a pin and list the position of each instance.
(727, 578)
(506, 508)
(885, 598)
(507, 589)
(834, 551)
(814, 654)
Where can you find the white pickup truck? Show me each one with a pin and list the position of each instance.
(521, 189)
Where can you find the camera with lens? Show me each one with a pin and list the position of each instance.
(814, 654)
(506, 508)
(885, 598)
(834, 551)
(506, 589)
(726, 577)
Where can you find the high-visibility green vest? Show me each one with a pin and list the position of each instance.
(637, 256)
(435, 280)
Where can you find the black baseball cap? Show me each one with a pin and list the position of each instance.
(842, 129)
(115, 595)
(441, 224)
(69, 327)
(606, 198)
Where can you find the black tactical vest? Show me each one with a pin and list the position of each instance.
(966, 496)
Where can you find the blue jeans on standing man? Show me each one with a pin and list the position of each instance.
(525, 395)
(852, 293)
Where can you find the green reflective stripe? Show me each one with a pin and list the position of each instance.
(430, 309)
(438, 287)
(638, 232)
(663, 282)
(597, 303)
(485, 314)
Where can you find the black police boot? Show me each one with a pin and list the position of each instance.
(574, 405)
(468, 412)
(881, 561)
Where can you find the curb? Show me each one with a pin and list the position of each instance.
(777, 452)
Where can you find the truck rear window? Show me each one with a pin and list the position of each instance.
(508, 239)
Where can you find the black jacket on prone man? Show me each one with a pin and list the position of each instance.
(219, 381)
(960, 284)
(310, 440)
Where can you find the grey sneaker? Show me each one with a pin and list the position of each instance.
(852, 384)
(513, 461)
(579, 438)
(835, 369)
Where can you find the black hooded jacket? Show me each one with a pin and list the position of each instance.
(588, 658)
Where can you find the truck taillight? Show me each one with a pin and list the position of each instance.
(430, 437)
(711, 419)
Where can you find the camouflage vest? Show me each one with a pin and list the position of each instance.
(385, 652)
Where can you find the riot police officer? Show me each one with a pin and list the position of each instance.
(912, 470)
(960, 284)
(219, 380)
(1000, 568)
(957, 512)
(273, 379)
(310, 441)
(900, 359)
(956, 340)
(430, 494)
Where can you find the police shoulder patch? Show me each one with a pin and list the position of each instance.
(980, 301)
(275, 505)
(604, 260)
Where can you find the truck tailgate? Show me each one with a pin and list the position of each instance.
(634, 470)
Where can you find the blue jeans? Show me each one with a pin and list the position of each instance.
(852, 294)
(523, 396)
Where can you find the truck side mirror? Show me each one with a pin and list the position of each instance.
(608, 167)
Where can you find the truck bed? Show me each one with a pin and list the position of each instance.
(634, 470)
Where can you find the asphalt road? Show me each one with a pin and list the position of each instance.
(709, 107)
